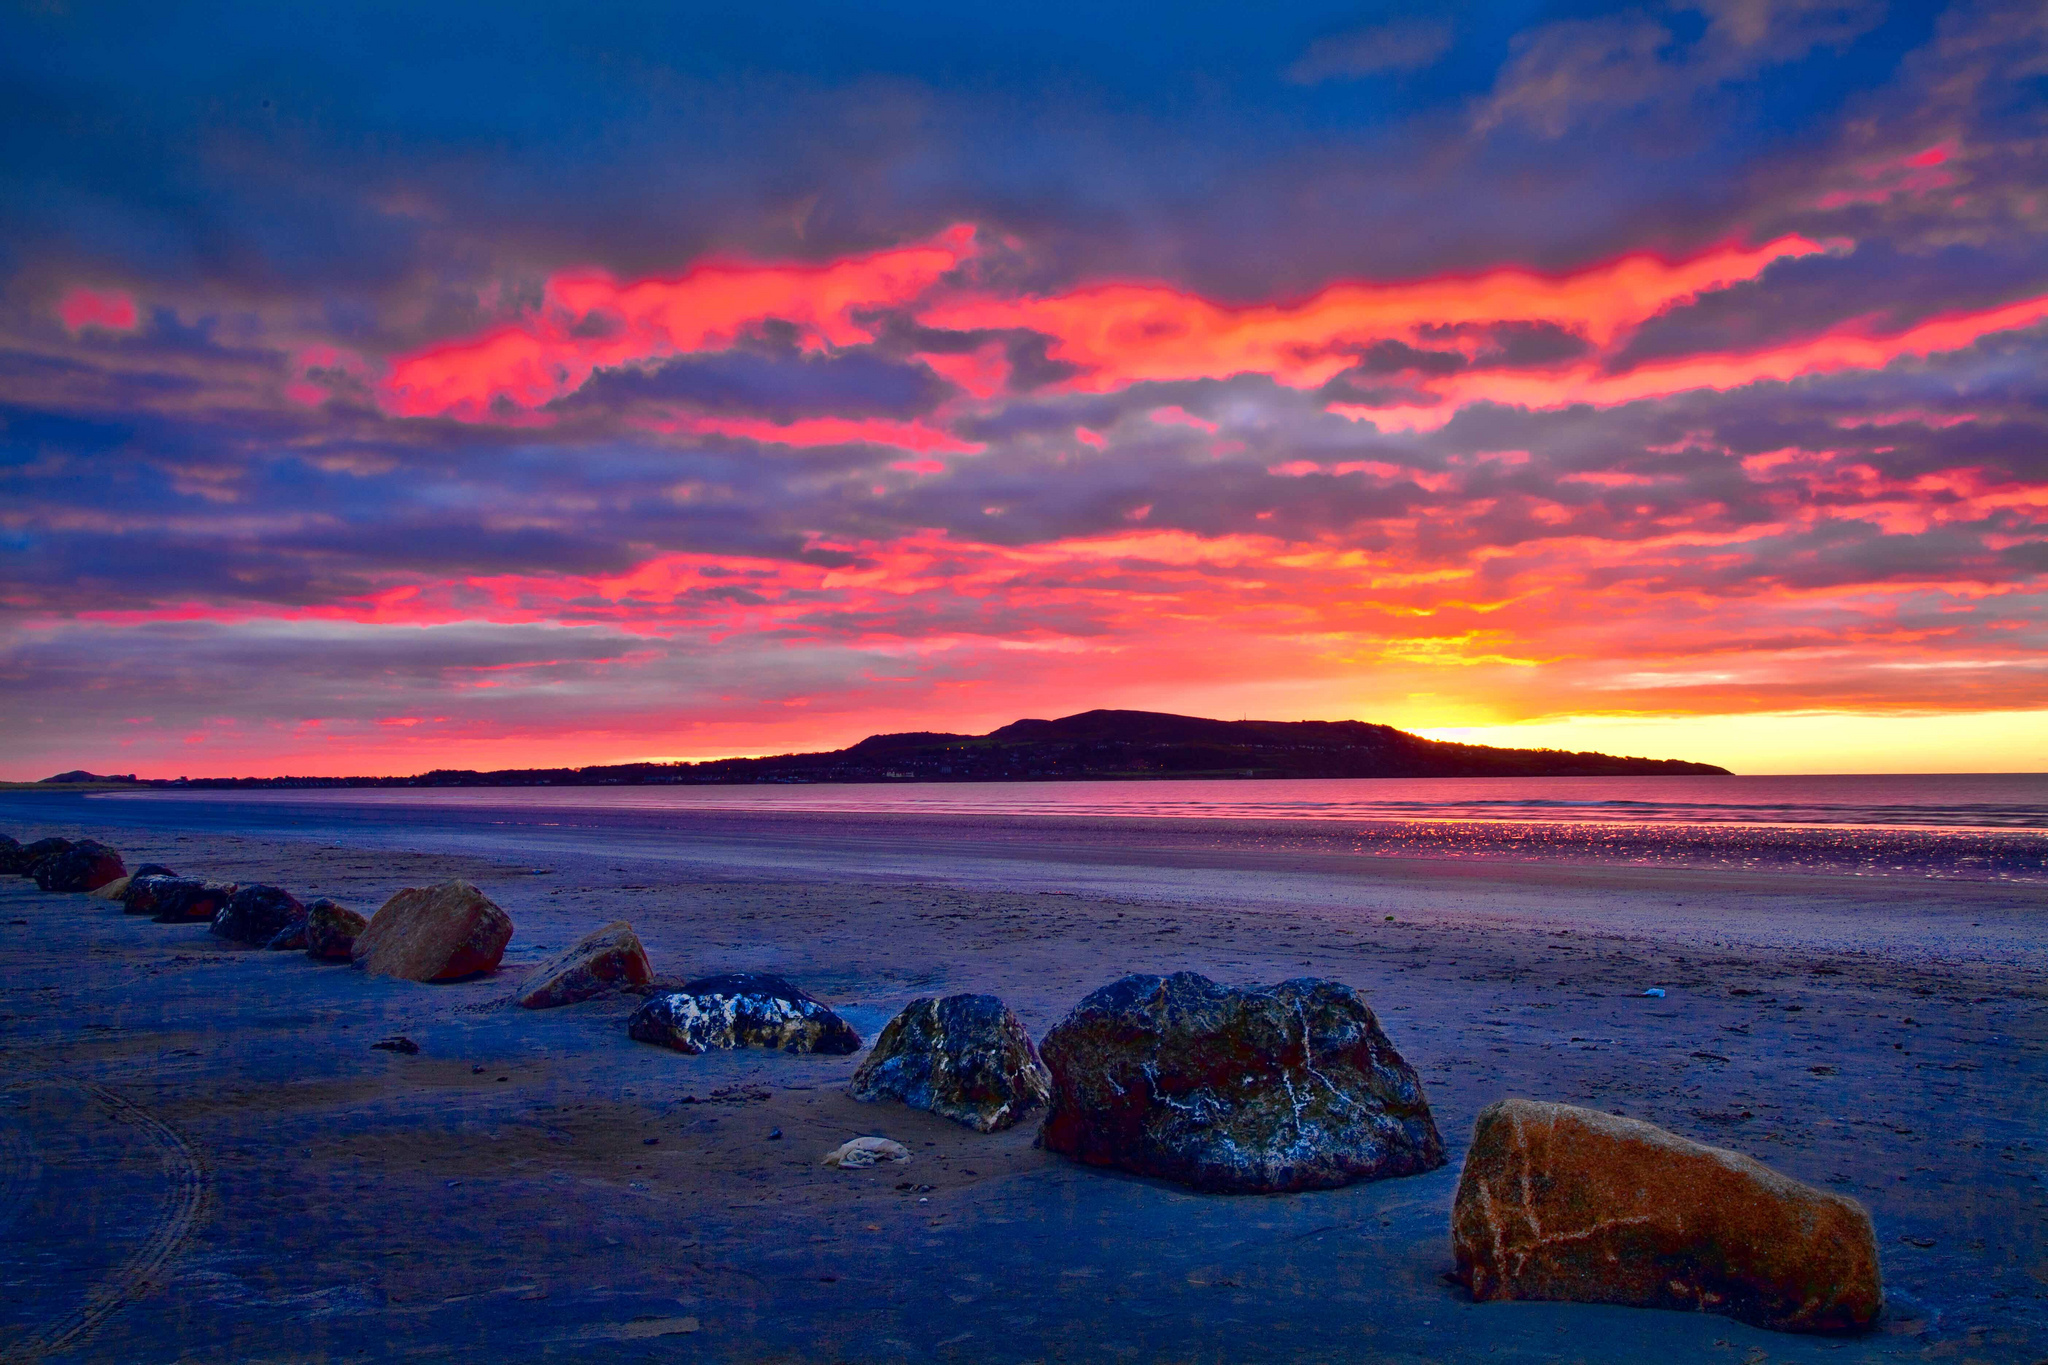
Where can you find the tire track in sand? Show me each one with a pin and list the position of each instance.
(185, 1195)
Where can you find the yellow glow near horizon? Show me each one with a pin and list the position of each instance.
(1794, 742)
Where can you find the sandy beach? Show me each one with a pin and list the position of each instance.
(205, 1158)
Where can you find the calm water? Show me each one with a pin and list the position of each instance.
(1927, 802)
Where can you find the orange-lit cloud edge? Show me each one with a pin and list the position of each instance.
(1449, 640)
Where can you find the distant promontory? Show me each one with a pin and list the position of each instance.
(1092, 746)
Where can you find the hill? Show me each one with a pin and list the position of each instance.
(1095, 745)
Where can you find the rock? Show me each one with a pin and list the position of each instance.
(31, 854)
(865, 1151)
(115, 890)
(1563, 1203)
(435, 933)
(177, 900)
(399, 1044)
(1235, 1090)
(331, 930)
(152, 870)
(594, 964)
(256, 912)
(291, 938)
(13, 858)
(85, 866)
(742, 1009)
(964, 1057)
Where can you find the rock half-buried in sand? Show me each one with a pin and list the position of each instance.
(178, 900)
(964, 1057)
(741, 1009)
(1235, 1090)
(597, 962)
(85, 866)
(256, 912)
(331, 931)
(436, 933)
(1563, 1203)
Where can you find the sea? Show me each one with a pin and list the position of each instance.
(1981, 827)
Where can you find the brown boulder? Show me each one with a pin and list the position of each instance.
(331, 931)
(87, 865)
(434, 933)
(1570, 1204)
(595, 963)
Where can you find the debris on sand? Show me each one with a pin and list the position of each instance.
(862, 1152)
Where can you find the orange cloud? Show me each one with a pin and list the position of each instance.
(1122, 334)
(590, 321)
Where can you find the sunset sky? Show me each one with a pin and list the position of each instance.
(393, 387)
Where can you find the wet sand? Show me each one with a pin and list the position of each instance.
(205, 1159)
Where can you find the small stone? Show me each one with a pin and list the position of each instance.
(85, 866)
(438, 933)
(741, 1009)
(399, 1044)
(1235, 1090)
(964, 1057)
(775, 1135)
(865, 1151)
(1562, 1203)
(331, 931)
(597, 962)
(257, 913)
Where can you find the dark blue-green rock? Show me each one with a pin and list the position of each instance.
(257, 913)
(741, 1009)
(964, 1057)
(1235, 1089)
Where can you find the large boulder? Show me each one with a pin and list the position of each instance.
(964, 1057)
(599, 961)
(741, 1009)
(115, 890)
(434, 933)
(1235, 1089)
(25, 861)
(87, 865)
(13, 858)
(331, 931)
(1562, 1203)
(257, 913)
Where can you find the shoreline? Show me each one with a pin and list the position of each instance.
(332, 1220)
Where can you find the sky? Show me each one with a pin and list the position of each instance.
(394, 387)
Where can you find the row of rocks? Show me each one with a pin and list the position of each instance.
(1287, 1087)
(445, 932)
(1295, 1086)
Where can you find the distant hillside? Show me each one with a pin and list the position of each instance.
(1095, 745)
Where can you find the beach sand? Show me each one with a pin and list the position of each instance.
(206, 1160)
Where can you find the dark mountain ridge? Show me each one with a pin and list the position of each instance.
(1093, 746)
